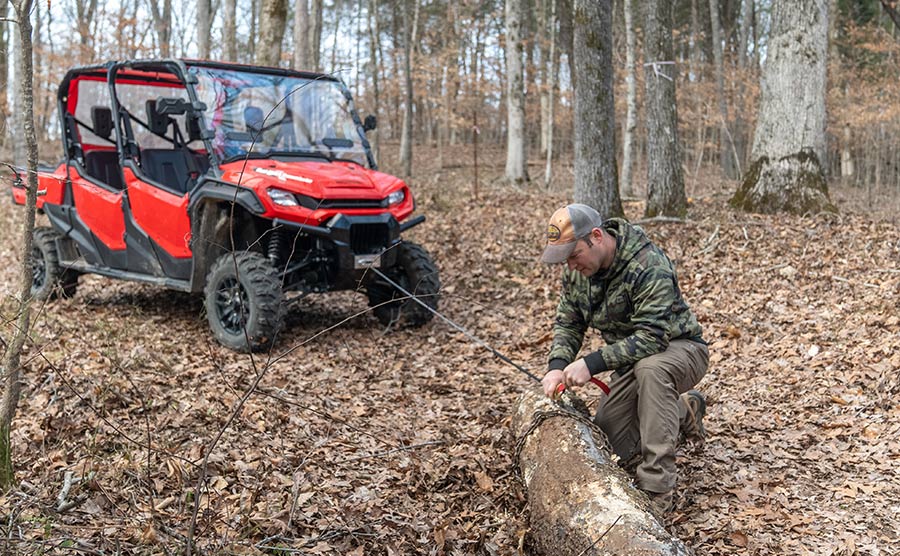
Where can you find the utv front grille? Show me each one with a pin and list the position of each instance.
(368, 238)
(314, 204)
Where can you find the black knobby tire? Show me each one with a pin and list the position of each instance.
(48, 279)
(416, 272)
(243, 294)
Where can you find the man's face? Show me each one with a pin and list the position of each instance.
(585, 258)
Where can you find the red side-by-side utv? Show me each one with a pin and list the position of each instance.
(239, 182)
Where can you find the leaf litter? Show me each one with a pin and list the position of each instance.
(373, 441)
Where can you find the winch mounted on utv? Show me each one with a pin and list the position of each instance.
(239, 182)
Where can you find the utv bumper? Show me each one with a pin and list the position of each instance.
(358, 242)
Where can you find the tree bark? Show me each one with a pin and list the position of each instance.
(665, 177)
(229, 31)
(786, 170)
(596, 174)
(374, 42)
(204, 27)
(315, 35)
(272, 22)
(516, 164)
(406, 150)
(162, 22)
(11, 370)
(580, 502)
(630, 101)
(726, 145)
(5, 41)
(551, 86)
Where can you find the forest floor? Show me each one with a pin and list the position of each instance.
(361, 440)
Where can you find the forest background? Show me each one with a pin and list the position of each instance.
(402, 446)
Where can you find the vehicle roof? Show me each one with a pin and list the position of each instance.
(101, 70)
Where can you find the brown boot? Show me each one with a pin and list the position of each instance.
(661, 503)
(693, 429)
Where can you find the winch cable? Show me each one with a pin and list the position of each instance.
(602, 385)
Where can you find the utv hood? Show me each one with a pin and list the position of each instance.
(315, 179)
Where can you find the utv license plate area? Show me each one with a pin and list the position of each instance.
(367, 261)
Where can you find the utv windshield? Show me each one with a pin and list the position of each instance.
(261, 115)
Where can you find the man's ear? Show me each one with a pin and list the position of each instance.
(597, 234)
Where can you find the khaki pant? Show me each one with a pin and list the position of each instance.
(644, 411)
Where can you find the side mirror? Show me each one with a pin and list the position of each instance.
(370, 123)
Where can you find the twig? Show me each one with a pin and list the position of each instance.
(608, 529)
(662, 219)
(401, 449)
(866, 284)
(64, 491)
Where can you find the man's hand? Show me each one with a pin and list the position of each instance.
(577, 373)
(551, 382)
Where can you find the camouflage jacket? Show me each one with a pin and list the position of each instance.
(636, 305)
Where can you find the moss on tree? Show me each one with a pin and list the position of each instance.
(794, 183)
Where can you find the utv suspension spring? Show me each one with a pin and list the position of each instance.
(276, 245)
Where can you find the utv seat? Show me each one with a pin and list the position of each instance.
(104, 166)
(173, 168)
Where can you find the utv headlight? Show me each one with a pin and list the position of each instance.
(396, 197)
(282, 197)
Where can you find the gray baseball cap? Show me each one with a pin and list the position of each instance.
(567, 226)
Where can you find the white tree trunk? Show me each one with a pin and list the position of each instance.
(551, 72)
(788, 154)
(580, 502)
(516, 169)
(630, 102)
(229, 31)
(272, 22)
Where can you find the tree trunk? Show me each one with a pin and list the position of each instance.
(551, 86)
(596, 175)
(406, 150)
(162, 22)
(374, 39)
(11, 370)
(630, 101)
(18, 110)
(786, 169)
(516, 164)
(272, 21)
(204, 27)
(315, 35)
(5, 42)
(665, 178)
(580, 502)
(229, 31)
(726, 146)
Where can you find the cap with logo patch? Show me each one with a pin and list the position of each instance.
(567, 226)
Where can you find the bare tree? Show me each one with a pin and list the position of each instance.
(162, 21)
(786, 164)
(204, 27)
(409, 39)
(315, 34)
(375, 41)
(596, 177)
(551, 86)
(229, 31)
(726, 145)
(301, 36)
(665, 178)
(630, 101)
(12, 371)
(516, 164)
(5, 41)
(272, 23)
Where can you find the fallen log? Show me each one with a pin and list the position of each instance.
(580, 501)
